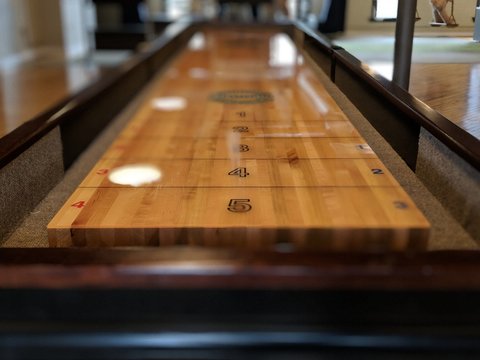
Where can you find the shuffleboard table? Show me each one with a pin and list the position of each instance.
(238, 204)
(239, 144)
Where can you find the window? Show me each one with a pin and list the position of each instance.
(384, 10)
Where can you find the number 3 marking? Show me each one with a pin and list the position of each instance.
(102, 172)
(401, 205)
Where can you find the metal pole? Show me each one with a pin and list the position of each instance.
(476, 33)
(404, 42)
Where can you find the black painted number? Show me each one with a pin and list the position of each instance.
(242, 114)
(241, 171)
(401, 205)
(243, 148)
(377, 172)
(239, 205)
(363, 147)
(240, 129)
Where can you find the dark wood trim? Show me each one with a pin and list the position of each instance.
(393, 123)
(67, 110)
(119, 39)
(322, 41)
(318, 47)
(23, 137)
(236, 269)
(456, 139)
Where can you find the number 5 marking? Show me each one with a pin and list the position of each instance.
(239, 205)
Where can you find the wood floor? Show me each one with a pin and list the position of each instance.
(238, 144)
(445, 71)
(451, 89)
(27, 88)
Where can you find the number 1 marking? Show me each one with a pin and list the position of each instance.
(364, 147)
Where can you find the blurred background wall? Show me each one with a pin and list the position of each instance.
(66, 25)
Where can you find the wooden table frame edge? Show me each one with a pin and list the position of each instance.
(236, 269)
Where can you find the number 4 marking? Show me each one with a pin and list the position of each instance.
(241, 171)
(79, 204)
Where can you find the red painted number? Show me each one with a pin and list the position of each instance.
(102, 172)
(79, 204)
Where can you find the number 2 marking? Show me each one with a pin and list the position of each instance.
(240, 129)
(241, 171)
(239, 205)
(377, 171)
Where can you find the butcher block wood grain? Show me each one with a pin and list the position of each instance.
(238, 144)
(258, 173)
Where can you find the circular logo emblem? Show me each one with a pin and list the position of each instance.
(241, 97)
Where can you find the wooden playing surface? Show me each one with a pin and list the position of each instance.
(247, 149)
